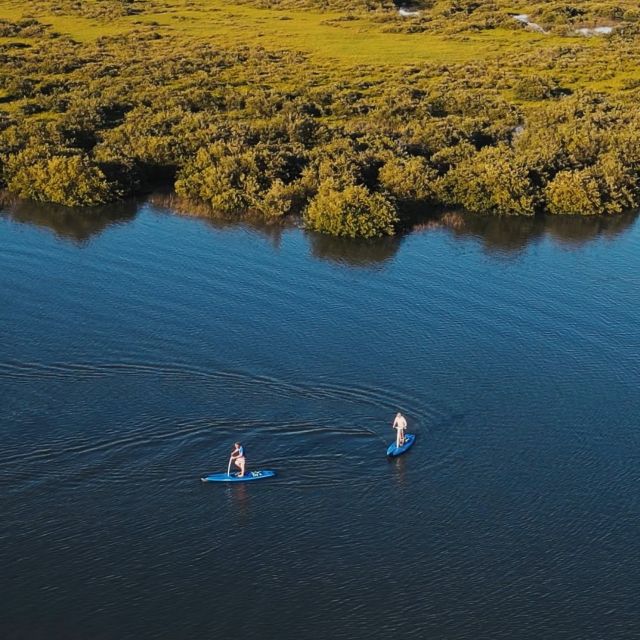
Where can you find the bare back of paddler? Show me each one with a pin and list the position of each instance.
(400, 425)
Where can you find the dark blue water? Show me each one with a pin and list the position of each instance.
(136, 346)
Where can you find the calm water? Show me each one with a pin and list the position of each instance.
(137, 345)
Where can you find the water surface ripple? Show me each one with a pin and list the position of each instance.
(136, 346)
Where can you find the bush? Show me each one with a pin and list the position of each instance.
(535, 88)
(409, 179)
(632, 15)
(69, 180)
(574, 193)
(353, 211)
(225, 180)
(618, 185)
(492, 181)
(282, 199)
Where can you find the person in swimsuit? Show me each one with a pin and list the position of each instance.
(400, 425)
(237, 456)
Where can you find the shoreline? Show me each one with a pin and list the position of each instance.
(504, 233)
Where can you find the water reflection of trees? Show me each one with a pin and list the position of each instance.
(76, 225)
(498, 234)
(577, 231)
(353, 253)
(174, 205)
(506, 234)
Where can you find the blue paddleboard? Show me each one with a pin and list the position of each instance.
(234, 477)
(409, 439)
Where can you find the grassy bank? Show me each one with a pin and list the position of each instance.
(345, 111)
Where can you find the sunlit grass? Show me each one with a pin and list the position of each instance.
(361, 44)
(350, 43)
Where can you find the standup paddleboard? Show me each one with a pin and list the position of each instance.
(235, 477)
(409, 439)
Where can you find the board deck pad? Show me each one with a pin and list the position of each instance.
(393, 451)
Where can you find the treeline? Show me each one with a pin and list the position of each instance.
(251, 131)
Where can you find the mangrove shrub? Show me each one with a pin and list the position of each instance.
(69, 180)
(351, 211)
(491, 181)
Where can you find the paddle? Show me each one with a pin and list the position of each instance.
(229, 467)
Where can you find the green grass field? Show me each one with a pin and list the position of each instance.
(362, 40)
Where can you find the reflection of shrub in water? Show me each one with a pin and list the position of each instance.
(577, 230)
(354, 253)
(269, 228)
(512, 234)
(77, 225)
(453, 220)
(496, 233)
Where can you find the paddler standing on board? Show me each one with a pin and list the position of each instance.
(400, 425)
(237, 457)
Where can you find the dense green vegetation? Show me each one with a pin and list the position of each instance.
(342, 111)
